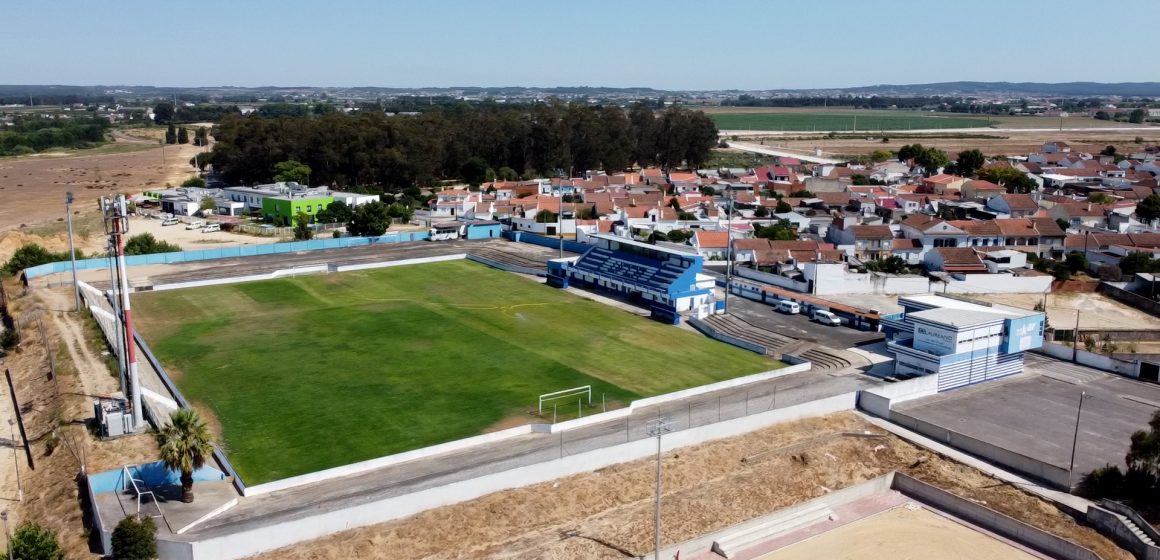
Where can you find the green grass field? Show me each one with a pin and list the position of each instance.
(808, 121)
(314, 372)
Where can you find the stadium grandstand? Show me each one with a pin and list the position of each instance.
(669, 280)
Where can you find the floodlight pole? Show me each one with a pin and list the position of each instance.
(1075, 438)
(15, 460)
(657, 428)
(72, 253)
(729, 249)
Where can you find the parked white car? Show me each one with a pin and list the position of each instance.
(211, 228)
(170, 222)
(196, 224)
(790, 307)
(826, 318)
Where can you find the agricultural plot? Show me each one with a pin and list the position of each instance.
(822, 121)
(308, 373)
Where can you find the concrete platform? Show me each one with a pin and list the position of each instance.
(169, 513)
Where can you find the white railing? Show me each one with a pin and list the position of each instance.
(138, 492)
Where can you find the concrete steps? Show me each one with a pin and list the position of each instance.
(1136, 530)
(732, 543)
(733, 326)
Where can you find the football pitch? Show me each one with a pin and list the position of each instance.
(308, 373)
(805, 121)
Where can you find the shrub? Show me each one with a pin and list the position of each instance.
(33, 541)
(1104, 482)
(32, 255)
(135, 539)
(9, 338)
(146, 244)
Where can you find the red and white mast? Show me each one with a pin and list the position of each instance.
(117, 217)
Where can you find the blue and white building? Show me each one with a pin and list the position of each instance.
(960, 341)
(668, 280)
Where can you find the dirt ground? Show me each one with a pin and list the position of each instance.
(608, 513)
(51, 492)
(1095, 310)
(1005, 143)
(33, 187)
(901, 533)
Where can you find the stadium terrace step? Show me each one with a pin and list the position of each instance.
(735, 327)
(730, 544)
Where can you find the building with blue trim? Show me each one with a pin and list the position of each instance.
(961, 341)
(669, 281)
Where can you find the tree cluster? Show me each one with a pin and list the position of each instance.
(1012, 179)
(782, 230)
(33, 541)
(31, 135)
(34, 255)
(931, 159)
(146, 244)
(548, 139)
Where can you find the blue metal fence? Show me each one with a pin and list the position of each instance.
(550, 242)
(230, 252)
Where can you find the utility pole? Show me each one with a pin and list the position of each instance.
(72, 253)
(657, 428)
(1075, 438)
(117, 224)
(15, 460)
(729, 250)
(560, 222)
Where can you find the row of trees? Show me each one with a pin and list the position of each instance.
(33, 254)
(180, 135)
(462, 142)
(31, 135)
(931, 159)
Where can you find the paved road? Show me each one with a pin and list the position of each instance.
(759, 149)
(1035, 413)
(279, 507)
(798, 326)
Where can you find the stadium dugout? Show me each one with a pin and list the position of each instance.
(669, 280)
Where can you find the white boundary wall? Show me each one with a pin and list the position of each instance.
(402, 262)
(255, 541)
(878, 400)
(1091, 359)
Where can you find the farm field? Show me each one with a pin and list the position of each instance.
(822, 120)
(308, 373)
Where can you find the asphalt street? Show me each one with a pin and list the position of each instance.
(798, 326)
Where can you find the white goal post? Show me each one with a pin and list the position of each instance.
(585, 390)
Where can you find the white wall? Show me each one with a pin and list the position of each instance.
(261, 539)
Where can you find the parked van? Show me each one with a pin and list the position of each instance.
(196, 224)
(211, 228)
(170, 222)
(826, 318)
(787, 306)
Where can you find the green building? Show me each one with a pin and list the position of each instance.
(283, 209)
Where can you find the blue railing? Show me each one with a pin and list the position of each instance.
(230, 252)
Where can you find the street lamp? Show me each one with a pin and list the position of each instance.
(1075, 438)
(72, 253)
(657, 428)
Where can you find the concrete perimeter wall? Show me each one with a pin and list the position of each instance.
(549, 242)
(255, 541)
(878, 400)
(508, 267)
(1055, 475)
(1022, 533)
(1063, 351)
(230, 252)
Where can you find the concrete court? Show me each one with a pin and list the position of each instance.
(1034, 413)
(413, 476)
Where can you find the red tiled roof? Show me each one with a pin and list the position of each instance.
(872, 232)
(977, 227)
(712, 239)
(907, 245)
(1022, 202)
(960, 259)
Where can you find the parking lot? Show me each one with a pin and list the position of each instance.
(1034, 413)
(799, 326)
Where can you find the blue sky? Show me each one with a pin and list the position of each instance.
(673, 44)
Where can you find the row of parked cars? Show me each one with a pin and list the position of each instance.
(196, 224)
(817, 315)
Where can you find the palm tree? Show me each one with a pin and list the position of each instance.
(185, 445)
